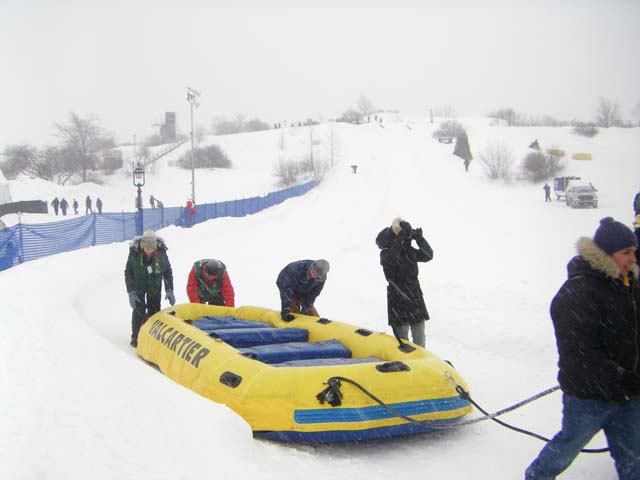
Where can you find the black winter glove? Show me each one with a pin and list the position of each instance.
(286, 316)
(417, 233)
(631, 381)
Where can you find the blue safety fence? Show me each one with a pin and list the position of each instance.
(25, 242)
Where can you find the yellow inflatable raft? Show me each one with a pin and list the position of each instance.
(310, 380)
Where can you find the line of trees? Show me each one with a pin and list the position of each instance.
(607, 114)
(77, 154)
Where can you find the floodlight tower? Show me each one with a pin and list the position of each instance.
(192, 97)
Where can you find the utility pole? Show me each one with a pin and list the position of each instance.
(192, 98)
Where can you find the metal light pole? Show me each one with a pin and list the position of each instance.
(192, 98)
(138, 181)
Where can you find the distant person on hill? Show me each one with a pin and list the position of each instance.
(75, 206)
(147, 267)
(55, 203)
(406, 309)
(63, 206)
(152, 201)
(547, 192)
(300, 283)
(596, 322)
(209, 283)
(99, 205)
(87, 203)
(159, 204)
(188, 214)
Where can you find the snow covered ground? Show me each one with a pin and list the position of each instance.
(78, 403)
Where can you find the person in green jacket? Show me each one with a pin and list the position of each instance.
(147, 267)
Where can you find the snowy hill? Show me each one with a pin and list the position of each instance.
(81, 404)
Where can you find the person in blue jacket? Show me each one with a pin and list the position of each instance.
(300, 283)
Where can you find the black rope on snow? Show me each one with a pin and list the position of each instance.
(334, 388)
(465, 395)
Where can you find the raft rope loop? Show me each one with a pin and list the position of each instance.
(333, 396)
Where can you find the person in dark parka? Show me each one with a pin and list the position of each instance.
(63, 206)
(147, 267)
(399, 259)
(55, 203)
(300, 283)
(596, 320)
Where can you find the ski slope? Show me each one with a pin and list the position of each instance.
(80, 404)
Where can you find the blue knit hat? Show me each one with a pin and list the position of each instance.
(612, 236)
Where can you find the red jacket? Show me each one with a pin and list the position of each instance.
(226, 289)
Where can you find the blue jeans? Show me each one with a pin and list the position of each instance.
(581, 420)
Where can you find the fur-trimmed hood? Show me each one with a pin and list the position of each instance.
(597, 260)
(134, 245)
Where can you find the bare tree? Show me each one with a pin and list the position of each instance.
(364, 106)
(607, 113)
(287, 171)
(536, 166)
(446, 111)
(497, 161)
(84, 137)
(18, 159)
(351, 116)
(332, 143)
(507, 114)
(52, 164)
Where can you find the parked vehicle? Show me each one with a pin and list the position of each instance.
(561, 185)
(582, 196)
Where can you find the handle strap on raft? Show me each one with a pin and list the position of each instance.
(332, 392)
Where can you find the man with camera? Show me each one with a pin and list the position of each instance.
(406, 309)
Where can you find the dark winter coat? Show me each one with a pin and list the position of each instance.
(637, 233)
(294, 282)
(636, 203)
(144, 274)
(596, 318)
(399, 260)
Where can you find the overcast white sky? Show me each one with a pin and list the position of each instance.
(130, 61)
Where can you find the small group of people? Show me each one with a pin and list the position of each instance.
(299, 283)
(148, 268)
(62, 206)
(595, 314)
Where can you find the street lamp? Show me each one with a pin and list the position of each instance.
(138, 181)
(192, 98)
